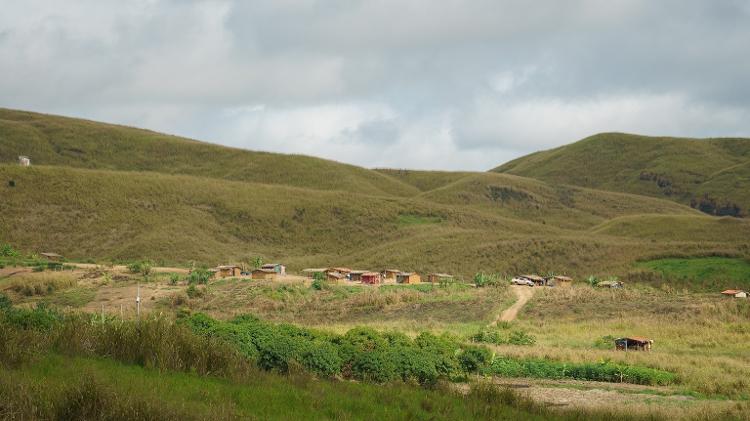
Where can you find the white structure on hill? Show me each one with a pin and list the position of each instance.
(24, 161)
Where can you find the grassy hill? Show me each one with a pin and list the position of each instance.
(103, 192)
(712, 175)
(62, 141)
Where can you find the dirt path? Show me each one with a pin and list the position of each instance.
(524, 294)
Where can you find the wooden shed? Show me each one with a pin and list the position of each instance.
(334, 276)
(226, 271)
(263, 274)
(439, 277)
(53, 257)
(633, 343)
(736, 293)
(408, 278)
(391, 274)
(356, 275)
(370, 278)
(559, 281)
(276, 267)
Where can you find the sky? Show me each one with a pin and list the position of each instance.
(422, 84)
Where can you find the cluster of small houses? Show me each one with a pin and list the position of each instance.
(274, 270)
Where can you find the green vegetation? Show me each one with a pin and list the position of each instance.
(722, 270)
(708, 174)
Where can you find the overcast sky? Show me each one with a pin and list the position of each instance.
(392, 83)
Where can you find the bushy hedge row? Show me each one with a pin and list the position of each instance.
(515, 337)
(362, 353)
(605, 371)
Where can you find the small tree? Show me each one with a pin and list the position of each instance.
(6, 250)
(592, 280)
(257, 262)
(319, 279)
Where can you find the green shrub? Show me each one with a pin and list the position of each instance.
(322, 358)
(193, 292)
(374, 366)
(517, 337)
(474, 358)
(199, 276)
(174, 278)
(6, 250)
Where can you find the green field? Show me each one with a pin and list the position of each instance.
(727, 270)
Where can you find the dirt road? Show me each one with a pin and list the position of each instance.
(524, 294)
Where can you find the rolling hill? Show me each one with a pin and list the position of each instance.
(112, 193)
(712, 175)
(70, 142)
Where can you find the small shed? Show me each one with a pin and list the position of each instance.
(263, 274)
(276, 267)
(226, 271)
(736, 293)
(391, 274)
(633, 343)
(559, 281)
(310, 273)
(356, 275)
(341, 270)
(536, 279)
(53, 257)
(24, 161)
(439, 277)
(370, 278)
(408, 278)
(334, 276)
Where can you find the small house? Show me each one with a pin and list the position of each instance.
(334, 276)
(408, 278)
(310, 273)
(439, 277)
(370, 278)
(391, 274)
(736, 293)
(536, 279)
(343, 271)
(263, 274)
(633, 343)
(356, 275)
(276, 267)
(226, 271)
(24, 161)
(52, 257)
(559, 281)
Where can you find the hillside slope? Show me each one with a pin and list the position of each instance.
(62, 141)
(712, 175)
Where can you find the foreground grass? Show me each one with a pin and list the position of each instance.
(51, 381)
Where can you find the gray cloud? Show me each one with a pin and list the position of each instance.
(445, 85)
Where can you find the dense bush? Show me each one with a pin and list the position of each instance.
(199, 276)
(487, 279)
(605, 372)
(495, 337)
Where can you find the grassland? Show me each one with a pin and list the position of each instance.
(723, 270)
(678, 169)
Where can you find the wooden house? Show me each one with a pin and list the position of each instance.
(633, 343)
(343, 271)
(439, 277)
(370, 278)
(559, 281)
(263, 274)
(226, 271)
(408, 278)
(390, 274)
(276, 267)
(52, 257)
(356, 275)
(736, 293)
(334, 276)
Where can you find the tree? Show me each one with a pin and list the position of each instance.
(257, 262)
